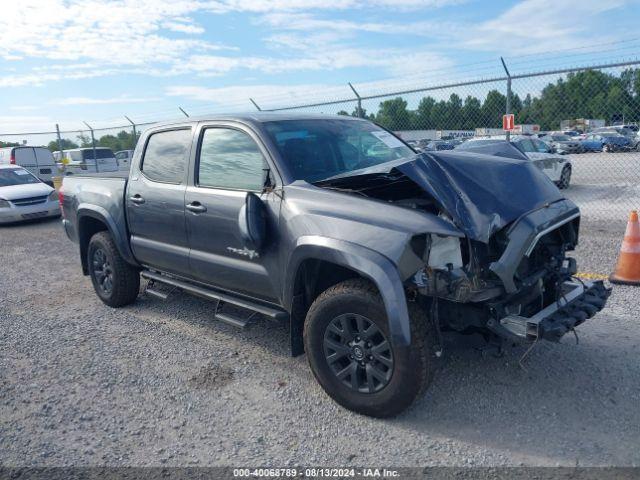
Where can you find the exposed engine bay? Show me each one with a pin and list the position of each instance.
(492, 286)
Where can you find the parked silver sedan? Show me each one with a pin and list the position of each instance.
(25, 197)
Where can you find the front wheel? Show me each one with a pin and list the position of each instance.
(115, 281)
(565, 178)
(349, 348)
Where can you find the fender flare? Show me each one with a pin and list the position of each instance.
(368, 263)
(119, 238)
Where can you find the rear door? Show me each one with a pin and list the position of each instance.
(155, 201)
(46, 164)
(230, 162)
(26, 158)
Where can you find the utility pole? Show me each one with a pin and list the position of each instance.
(508, 106)
(93, 143)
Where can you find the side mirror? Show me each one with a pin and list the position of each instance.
(253, 223)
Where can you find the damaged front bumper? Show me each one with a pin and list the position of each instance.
(578, 302)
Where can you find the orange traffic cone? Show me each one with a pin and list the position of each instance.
(628, 269)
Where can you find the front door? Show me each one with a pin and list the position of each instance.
(229, 164)
(155, 202)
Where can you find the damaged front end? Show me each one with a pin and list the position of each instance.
(509, 276)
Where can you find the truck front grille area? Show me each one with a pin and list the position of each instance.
(22, 202)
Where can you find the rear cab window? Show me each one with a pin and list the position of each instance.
(166, 156)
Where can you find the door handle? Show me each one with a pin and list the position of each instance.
(196, 207)
(137, 199)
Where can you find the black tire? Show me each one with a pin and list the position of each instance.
(565, 177)
(116, 282)
(412, 367)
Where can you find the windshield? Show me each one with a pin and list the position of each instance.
(561, 138)
(318, 149)
(16, 176)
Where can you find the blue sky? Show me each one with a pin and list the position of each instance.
(64, 61)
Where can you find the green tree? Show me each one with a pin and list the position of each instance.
(393, 114)
(66, 144)
(492, 109)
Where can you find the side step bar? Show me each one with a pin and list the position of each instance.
(217, 296)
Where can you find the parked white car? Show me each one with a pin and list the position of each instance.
(124, 159)
(38, 160)
(25, 197)
(80, 160)
(554, 165)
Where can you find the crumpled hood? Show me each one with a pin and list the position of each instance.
(482, 193)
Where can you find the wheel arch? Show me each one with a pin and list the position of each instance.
(333, 261)
(93, 219)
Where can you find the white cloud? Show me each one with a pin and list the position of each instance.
(154, 37)
(262, 6)
(122, 99)
(312, 23)
(239, 95)
(541, 26)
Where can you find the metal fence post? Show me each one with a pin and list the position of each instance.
(255, 104)
(93, 143)
(508, 105)
(59, 140)
(135, 135)
(359, 108)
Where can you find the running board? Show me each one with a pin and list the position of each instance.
(156, 293)
(218, 296)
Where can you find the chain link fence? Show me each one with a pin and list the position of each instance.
(580, 126)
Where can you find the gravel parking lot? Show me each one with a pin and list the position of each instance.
(160, 383)
(606, 186)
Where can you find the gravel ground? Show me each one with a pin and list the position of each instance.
(159, 383)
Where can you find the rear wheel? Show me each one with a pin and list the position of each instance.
(115, 281)
(350, 351)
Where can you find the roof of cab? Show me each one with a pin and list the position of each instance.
(255, 117)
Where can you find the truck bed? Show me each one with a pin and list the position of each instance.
(95, 196)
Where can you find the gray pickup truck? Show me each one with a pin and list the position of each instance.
(367, 250)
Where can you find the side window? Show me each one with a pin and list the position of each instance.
(121, 155)
(540, 146)
(230, 159)
(526, 146)
(167, 155)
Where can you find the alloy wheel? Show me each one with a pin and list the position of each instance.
(102, 271)
(358, 353)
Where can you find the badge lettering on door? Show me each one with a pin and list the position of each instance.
(245, 252)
